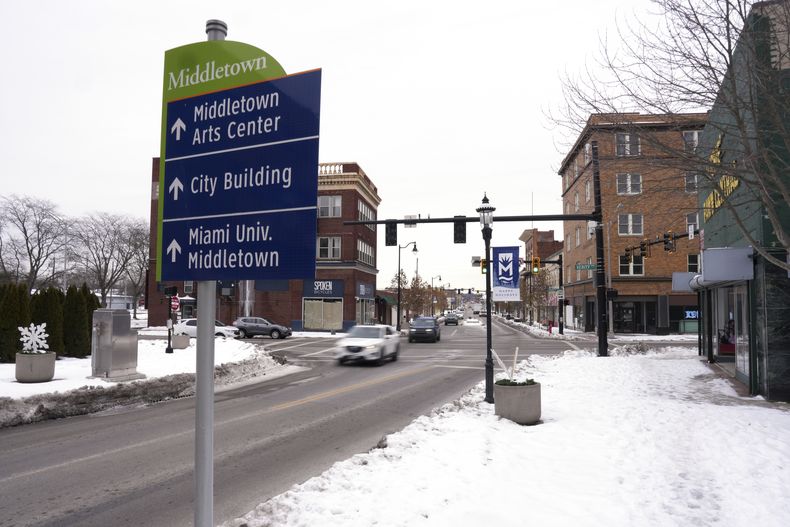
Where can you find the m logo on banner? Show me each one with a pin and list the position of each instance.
(505, 271)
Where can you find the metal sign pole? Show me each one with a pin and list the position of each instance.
(204, 375)
(204, 405)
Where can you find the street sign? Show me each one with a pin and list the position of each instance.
(238, 173)
(560, 294)
(586, 267)
(175, 303)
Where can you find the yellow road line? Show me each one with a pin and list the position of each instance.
(350, 388)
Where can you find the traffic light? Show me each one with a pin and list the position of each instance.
(459, 230)
(483, 266)
(643, 249)
(391, 233)
(535, 264)
(171, 291)
(629, 254)
(669, 242)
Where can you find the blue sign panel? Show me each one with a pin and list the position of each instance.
(504, 267)
(241, 182)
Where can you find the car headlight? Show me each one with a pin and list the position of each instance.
(429, 330)
(412, 329)
(371, 347)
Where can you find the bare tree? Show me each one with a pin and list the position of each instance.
(34, 238)
(103, 249)
(137, 268)
(729, 55)
(417, 297)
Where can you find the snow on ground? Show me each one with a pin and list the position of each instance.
(152, 361)
(651, 440)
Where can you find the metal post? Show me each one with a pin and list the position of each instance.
(204, 376)
(561, 301)
(600, 275)
(489, 358)
(609, 273)
(204, 405)
(399, 285)
(169, 348)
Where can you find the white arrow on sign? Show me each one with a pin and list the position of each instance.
(175, 187)
(178, 127)
(174, 248)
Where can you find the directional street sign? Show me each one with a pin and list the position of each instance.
(586, 267)
(240, 182)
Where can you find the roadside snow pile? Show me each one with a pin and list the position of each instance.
(169, 376)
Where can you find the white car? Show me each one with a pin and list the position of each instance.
(373, 343)
(188, 327)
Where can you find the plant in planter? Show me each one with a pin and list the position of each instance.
(518, 401)
(35, 363)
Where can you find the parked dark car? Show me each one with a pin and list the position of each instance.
(451, 319)
(252, 326)
(425, 328)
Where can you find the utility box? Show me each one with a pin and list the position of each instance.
(114, 346)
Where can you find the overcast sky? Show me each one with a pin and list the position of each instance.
(438, 101)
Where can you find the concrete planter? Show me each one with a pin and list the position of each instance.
(520, 404)
(35, 367)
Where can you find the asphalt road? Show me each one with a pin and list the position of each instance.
(134, 466)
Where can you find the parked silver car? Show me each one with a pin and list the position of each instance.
(252, 326)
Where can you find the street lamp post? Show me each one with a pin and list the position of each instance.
(433, 295)
(414, 251)
(486, 212)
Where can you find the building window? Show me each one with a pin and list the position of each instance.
(366, 214)
(587, 153)
(576, 202)
(329, 206)
(578, 236)
(590, 229)
(636, 267)
(691, 182)
(691, 221)
(690, 141)
(627, 144)
(365, 253)
(587, 190)
(188, 287)
(693, 263)
(628, 224)
(629, 184)
(568, 273)
(589, 271)
(329, 248)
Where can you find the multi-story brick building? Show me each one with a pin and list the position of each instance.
(343, 292)
(645, 192)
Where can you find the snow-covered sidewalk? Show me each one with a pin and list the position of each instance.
(657, 439)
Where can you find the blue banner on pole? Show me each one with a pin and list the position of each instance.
(504, 278)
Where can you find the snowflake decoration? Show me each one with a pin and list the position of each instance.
(34, 338)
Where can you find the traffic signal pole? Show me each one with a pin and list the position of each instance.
(600, 273)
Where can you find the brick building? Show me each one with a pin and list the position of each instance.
(644, 193)
(344, 290)
(543, 245)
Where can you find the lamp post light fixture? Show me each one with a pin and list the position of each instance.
(486, 212)
(414, 251)
(433, 295)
